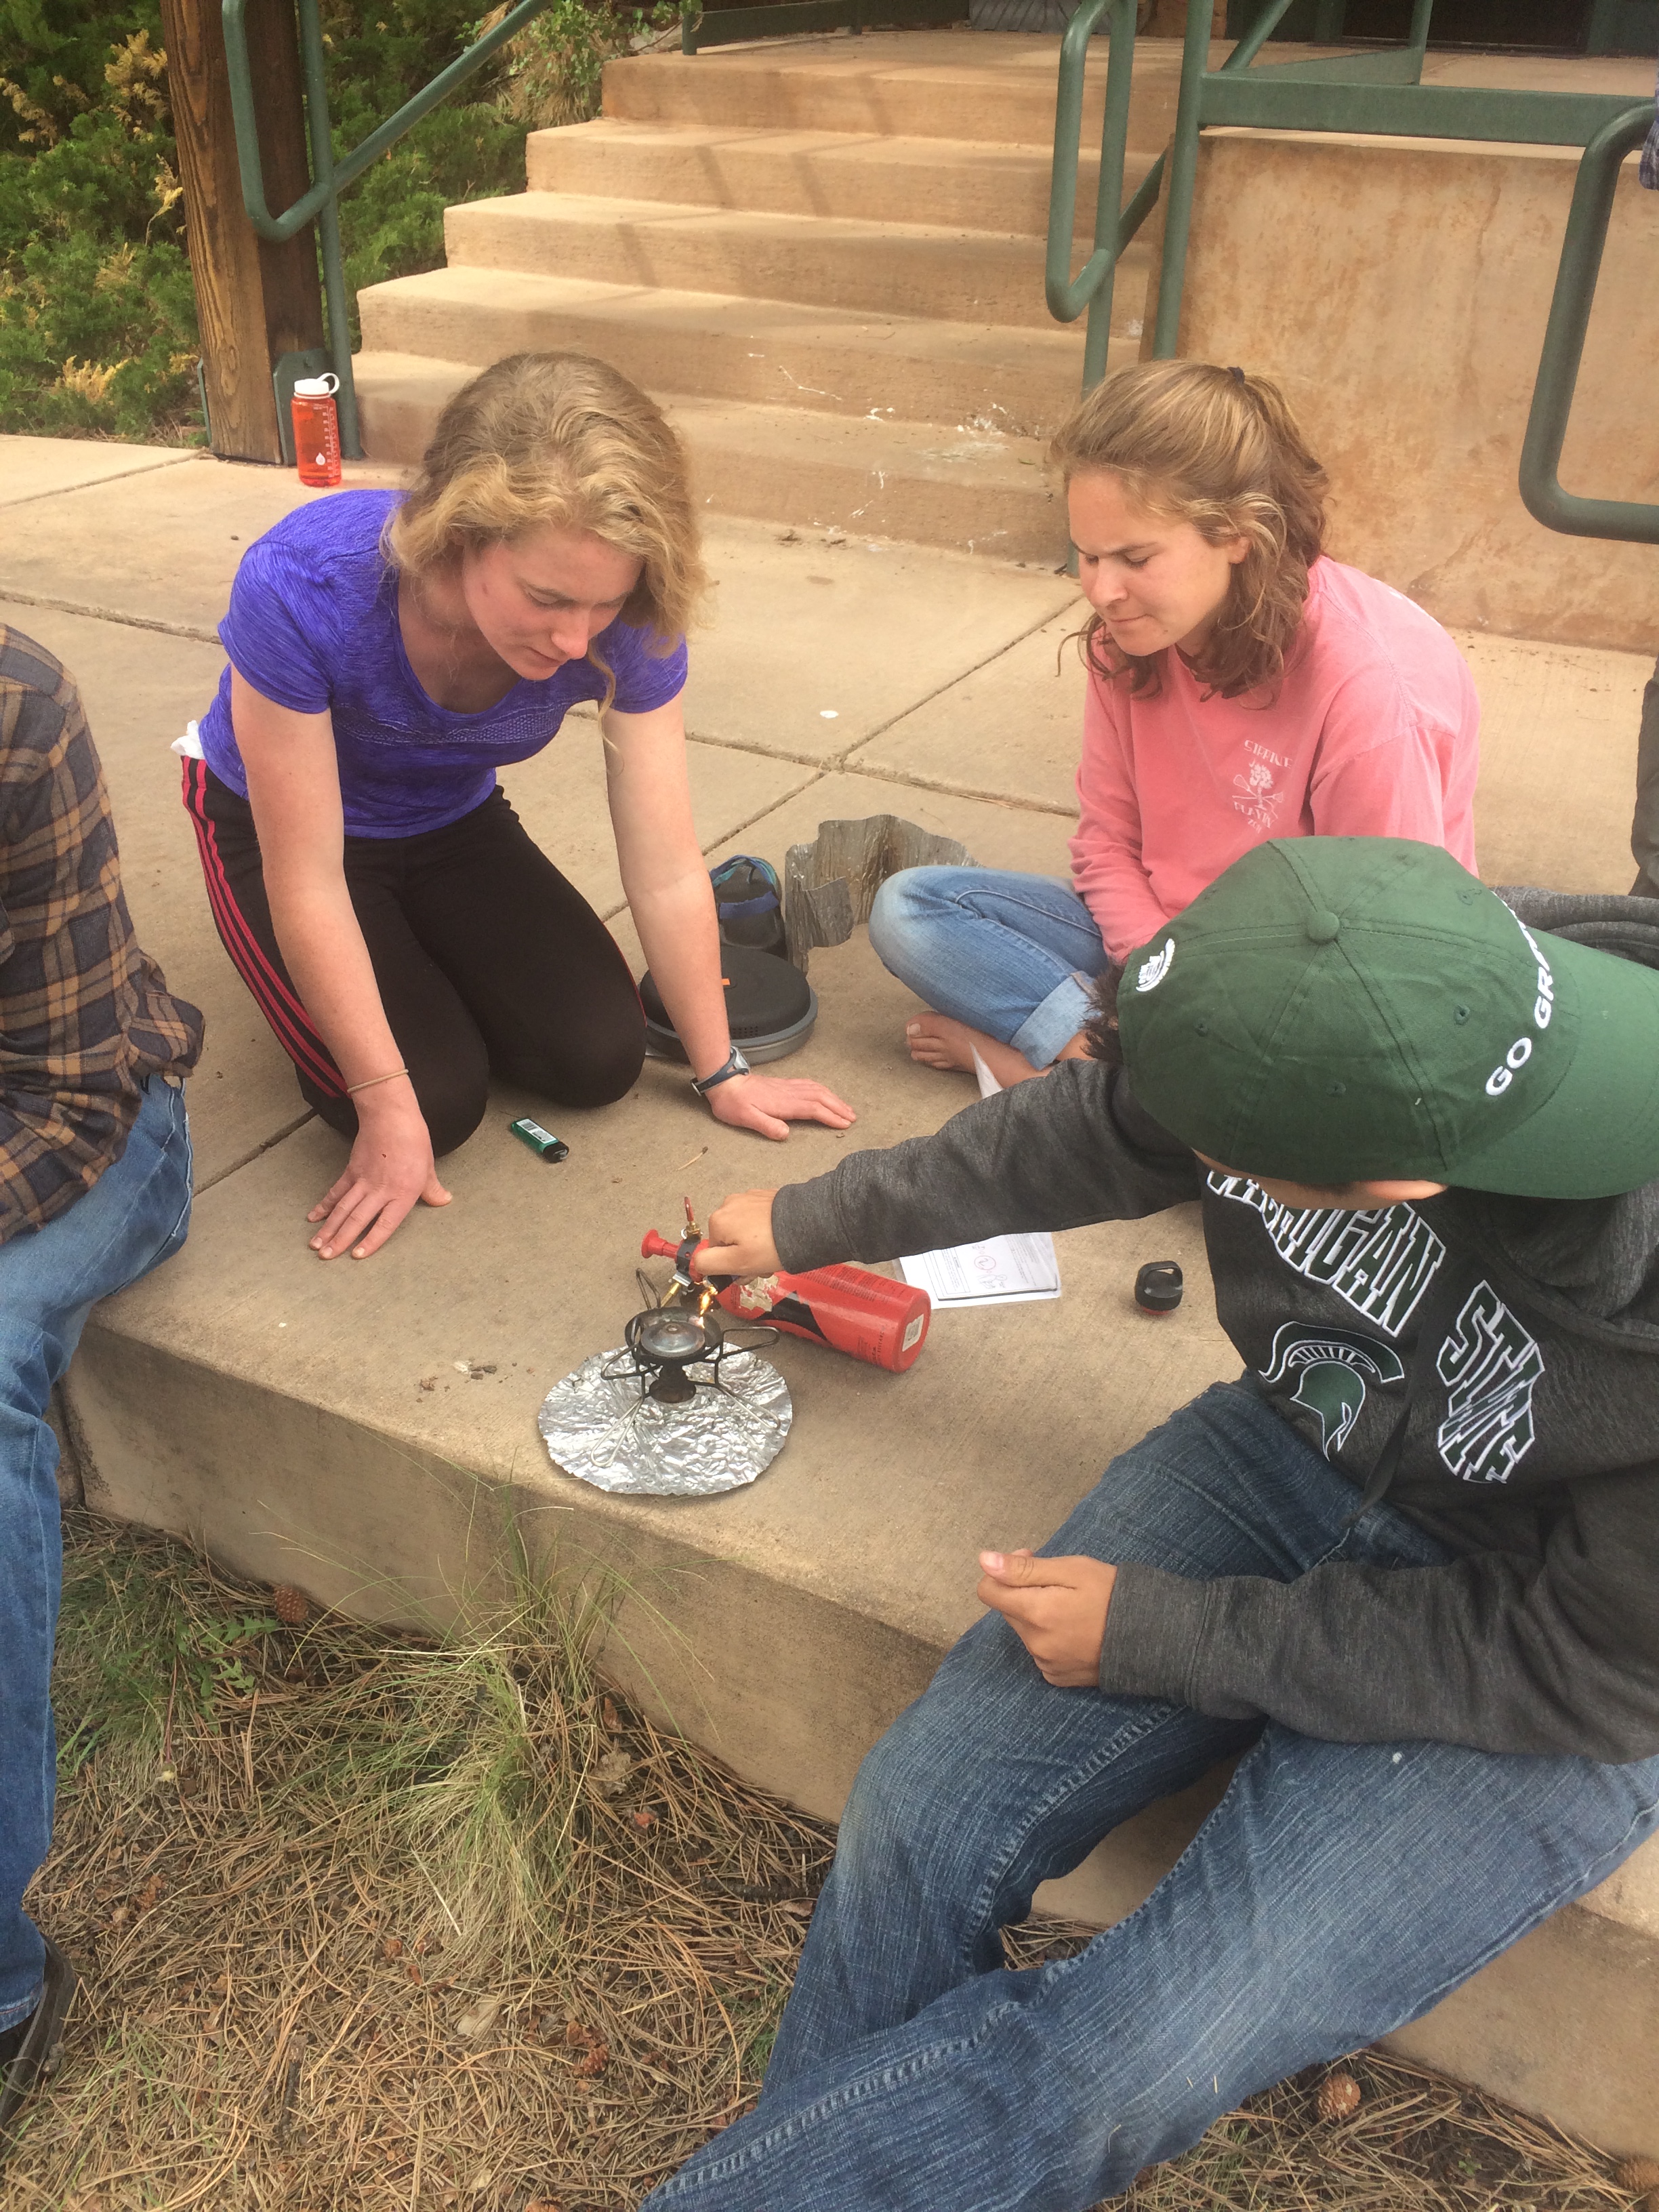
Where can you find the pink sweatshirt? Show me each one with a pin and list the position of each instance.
(1375, 733)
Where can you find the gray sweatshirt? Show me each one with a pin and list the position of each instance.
(1532, 1448)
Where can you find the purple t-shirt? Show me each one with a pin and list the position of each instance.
(313, 625)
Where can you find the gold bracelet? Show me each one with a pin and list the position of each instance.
(369, 1082)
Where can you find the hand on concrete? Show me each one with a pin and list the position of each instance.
(1057, 1608)
(740, 1236)
(390, 1170)
(770, 1102)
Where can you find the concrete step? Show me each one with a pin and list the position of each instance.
(707, 345)
(887, 268)
(954, 184)
(986, 91)
(970, 488)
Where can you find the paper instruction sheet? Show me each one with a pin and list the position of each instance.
(999, 1270)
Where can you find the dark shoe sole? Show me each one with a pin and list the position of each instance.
(41, 2047)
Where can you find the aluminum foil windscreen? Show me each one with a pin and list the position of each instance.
(602, 1429)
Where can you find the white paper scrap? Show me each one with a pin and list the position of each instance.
(1000, 1270)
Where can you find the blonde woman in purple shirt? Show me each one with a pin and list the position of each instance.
(401, 933)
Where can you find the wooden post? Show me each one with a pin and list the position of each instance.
(254, 300)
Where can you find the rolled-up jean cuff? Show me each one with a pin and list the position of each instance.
(1066, 1009)
(13, 2015)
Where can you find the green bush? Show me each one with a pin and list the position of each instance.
(391, 219)
(97, 330)
(553, 69)
(97, 316)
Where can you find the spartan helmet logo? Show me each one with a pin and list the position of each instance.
(1331, 1366)
(1151, 972)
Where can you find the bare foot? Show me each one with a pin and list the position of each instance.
(936, 1040)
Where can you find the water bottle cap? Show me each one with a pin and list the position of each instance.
(315, 387)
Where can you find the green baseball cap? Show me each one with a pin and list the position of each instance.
(1340, 1010)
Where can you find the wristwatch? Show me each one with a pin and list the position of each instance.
(734, 1064)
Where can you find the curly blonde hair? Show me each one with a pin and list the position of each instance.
(560, 441)
(1190, 441)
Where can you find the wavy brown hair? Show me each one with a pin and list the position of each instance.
(562, 440)
(1192, 442)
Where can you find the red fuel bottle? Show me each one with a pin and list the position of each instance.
(866, 1315)
(316, 430)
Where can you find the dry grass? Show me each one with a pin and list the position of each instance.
(369, 1923)
(1417, 2143)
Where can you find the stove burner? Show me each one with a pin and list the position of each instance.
(664, 1341)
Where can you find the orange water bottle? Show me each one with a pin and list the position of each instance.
(317, 429)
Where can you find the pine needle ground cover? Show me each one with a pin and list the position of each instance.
(367, 1922)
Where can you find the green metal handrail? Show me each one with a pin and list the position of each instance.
(329, 178)
(1093, 286)
(1564, 348)
(1092, 289)
(1377, 93)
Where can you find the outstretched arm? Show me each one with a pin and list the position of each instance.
(666, 876)
(1074, 1148)
(294, 789)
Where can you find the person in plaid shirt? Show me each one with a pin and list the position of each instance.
(95, 1192)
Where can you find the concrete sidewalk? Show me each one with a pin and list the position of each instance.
(330, 1424)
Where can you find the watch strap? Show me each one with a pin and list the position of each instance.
(734, 1064)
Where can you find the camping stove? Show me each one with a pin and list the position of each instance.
(678, 1409)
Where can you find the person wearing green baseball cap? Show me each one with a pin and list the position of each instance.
(1403, 1568)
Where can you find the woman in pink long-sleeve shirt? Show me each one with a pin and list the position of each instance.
(1243, 686)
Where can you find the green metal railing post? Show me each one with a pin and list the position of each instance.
(1253, 40)
(1417, 41)
(320, 204)
(306, 208)
(1092, 287)
(1183, 159)
(1108, 199)
(1581, 247)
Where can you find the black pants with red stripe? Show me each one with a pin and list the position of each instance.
(488, 963)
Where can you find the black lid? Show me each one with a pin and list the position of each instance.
(763, 995)
(1158, 1287)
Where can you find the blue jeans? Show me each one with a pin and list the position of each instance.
(1014, 956)
(1337, 1891)
(134, 1217)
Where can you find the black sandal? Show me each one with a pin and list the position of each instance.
(42, 2045)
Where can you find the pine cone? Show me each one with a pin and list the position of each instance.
(1339, 2097)
(292, 1606)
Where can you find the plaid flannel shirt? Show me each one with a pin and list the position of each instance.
(84, 1015)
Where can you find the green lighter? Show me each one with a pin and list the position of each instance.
(540, 1141)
